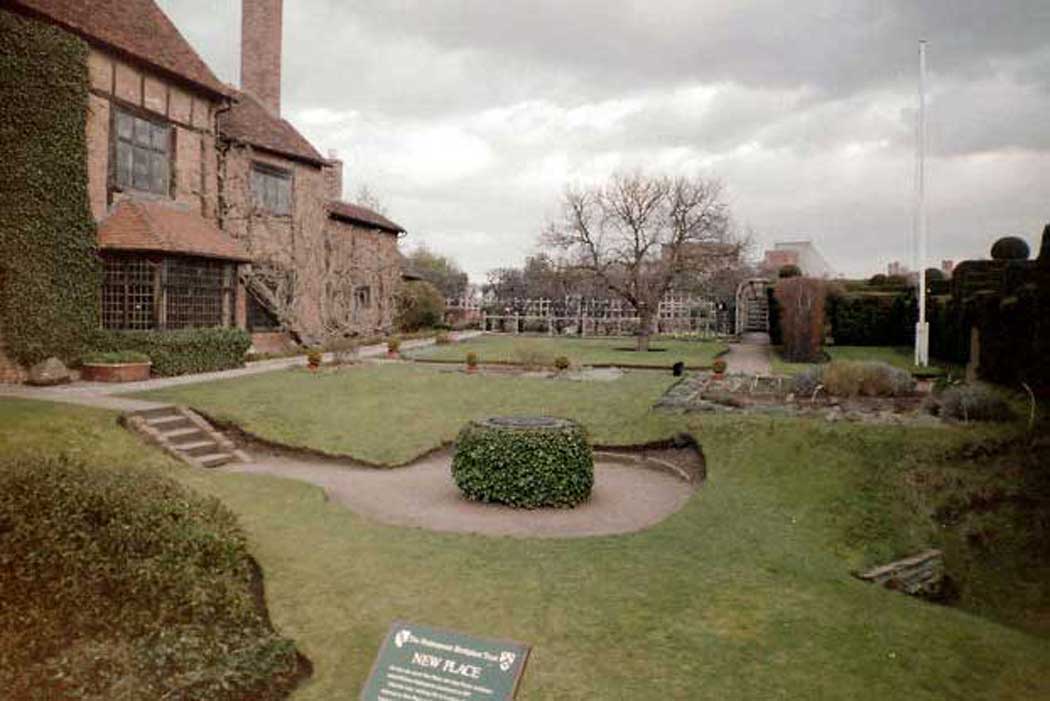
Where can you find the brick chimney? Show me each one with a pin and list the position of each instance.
(261, 22)
(333, 176)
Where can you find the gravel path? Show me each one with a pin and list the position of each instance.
(624, 498)
(751, 356)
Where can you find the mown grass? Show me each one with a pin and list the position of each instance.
(744, 594)
(390, 414)
(898, 356)
(580, 351)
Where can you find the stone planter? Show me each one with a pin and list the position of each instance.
(115, 372)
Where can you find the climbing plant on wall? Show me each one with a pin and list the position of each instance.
(49, 270)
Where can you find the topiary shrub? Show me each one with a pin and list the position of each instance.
(1010, 248)
(183, 351)
(973, 403)
(877, 280)
(122, 583)
(800, 302)
(562, 363)
(524, 462)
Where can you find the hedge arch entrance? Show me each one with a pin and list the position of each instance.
(752, 306)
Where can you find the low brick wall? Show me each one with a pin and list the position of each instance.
(275, 342)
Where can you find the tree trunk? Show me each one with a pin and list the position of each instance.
(645, 330)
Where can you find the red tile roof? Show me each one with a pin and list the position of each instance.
(356, 214)
(165, 227)
(251, 123)
(136, 28)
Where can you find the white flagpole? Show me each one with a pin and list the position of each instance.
(922, 329)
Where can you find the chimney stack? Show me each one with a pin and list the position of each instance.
(333, 176)
(261, 51)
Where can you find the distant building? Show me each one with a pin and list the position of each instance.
(801, 253)
(947, 266)
(897, 268)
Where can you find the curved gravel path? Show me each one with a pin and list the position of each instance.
(624, 498)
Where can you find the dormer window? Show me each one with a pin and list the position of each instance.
(143, 154)
(272, 189)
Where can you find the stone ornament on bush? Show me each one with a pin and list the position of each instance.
(524, 461)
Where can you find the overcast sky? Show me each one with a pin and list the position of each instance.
(469, 117)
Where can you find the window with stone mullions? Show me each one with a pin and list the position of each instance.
(143, 154)
(272, 190)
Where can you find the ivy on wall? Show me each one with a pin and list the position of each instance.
(49, 269)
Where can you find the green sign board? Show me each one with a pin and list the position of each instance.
(417, 663)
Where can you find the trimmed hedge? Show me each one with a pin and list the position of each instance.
(50, 275)
(874, 319)
(121, 583)
(183, 351)
(524, 467)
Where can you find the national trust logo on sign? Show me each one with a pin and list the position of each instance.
(402, 637)
(506, 660)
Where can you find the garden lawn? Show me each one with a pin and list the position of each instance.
(540, 350)
(744, 594)
(898, 356)
(390, 414)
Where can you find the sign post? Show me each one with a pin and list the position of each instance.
(419, 663)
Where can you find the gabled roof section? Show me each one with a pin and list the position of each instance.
(247, 121)
(136, 28)
(356, 214)
(165, 227)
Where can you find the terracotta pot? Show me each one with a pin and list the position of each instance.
(393, 355)
(115, 372)
(471, 369)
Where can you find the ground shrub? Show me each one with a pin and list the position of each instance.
(443, 339)
(852, 378)
(524, 467)
(419, 306)
(805, 383)
(562, 363)
(182, 351)
(116, 357)
(120, 583)
(800, 302)
(973, 403)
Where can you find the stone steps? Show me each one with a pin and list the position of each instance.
(185, 435)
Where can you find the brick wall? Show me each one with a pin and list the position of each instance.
(319, 248)
(10, 371)
(261, 22)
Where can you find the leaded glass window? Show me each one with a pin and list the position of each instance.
(143, 154)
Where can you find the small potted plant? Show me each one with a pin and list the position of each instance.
(719, 368)
(472, 362)
(119, 366)
(393, 347)
(561, 363)
(443, 339)
(313, 359)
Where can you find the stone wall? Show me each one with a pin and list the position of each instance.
(114, 81)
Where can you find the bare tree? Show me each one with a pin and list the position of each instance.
(369, 198)
(637, 233)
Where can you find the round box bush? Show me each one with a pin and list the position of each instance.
(524, 461)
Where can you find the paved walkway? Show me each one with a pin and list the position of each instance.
(624, 498)
(104, 394)
(752, 356)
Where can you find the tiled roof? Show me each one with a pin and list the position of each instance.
(137, 28)
(165, 227)
(251, 123)
(357, 214)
